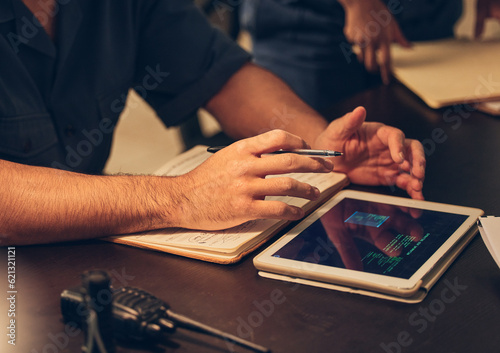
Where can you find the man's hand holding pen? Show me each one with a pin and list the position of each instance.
(230, 187)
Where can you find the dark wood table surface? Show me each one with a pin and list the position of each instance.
(460, 314)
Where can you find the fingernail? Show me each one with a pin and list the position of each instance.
(316, 192)
(402, 155)
(299, 213)
(328, 164)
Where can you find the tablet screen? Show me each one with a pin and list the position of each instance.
(373, 237)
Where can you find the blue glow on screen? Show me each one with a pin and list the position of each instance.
(367, 219)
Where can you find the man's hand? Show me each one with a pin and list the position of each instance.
(230, 187)
(374, 153)
(370, 26)
(485, 9)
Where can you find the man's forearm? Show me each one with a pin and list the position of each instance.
(41, 205)
(254, 101)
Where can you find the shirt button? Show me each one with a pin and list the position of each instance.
(69, 130)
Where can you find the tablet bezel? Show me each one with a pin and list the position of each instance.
(380, 283)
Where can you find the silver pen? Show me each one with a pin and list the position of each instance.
(305, 152)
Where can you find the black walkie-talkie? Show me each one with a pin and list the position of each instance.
(97, 300)
(140, 316)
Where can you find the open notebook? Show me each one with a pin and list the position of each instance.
(229, 245)
(451, 71)
(455, 71)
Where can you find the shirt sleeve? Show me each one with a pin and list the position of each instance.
(182, 60)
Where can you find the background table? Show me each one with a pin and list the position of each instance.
(463, 168)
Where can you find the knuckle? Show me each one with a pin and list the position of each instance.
(240, 206)
(241, 146)
(239, 186)
(280, 210)
(239, 168)
(278, 137)
(288, 161)
(287, 184)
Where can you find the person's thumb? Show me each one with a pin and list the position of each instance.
(344, 127)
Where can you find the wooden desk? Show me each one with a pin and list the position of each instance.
(463, 168)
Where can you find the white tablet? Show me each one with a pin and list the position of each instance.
(376, 243)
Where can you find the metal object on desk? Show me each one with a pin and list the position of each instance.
(137, 316)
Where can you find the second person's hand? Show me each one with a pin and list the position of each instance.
(374, 153)
(372, 28)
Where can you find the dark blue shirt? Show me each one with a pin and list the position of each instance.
(313, 19)
(60, 100)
